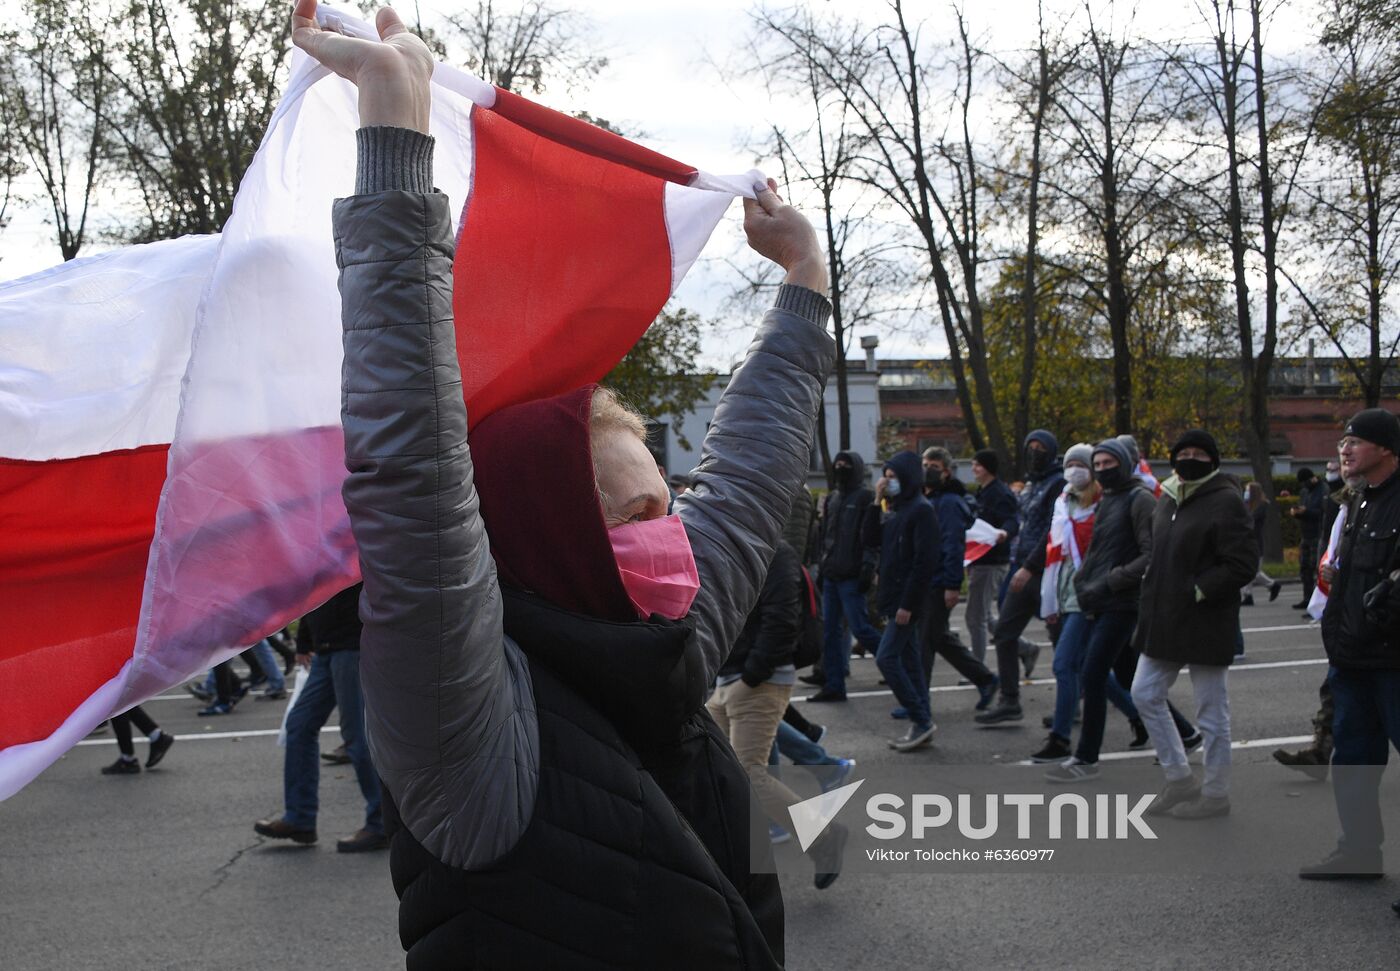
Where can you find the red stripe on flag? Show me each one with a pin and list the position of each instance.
(72, 566)
(563, 260)
(589, 139)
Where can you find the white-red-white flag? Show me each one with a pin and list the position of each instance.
(170, 447)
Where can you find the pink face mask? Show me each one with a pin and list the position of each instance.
(657, 566)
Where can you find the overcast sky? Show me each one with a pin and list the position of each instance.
(661, 80)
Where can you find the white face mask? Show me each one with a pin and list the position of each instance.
(1078, 477)
(891, 488)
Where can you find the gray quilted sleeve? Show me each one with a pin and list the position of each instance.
(448, 704)
(755, 455)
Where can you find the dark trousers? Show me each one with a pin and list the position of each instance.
(1109, 635)
(121, 727)
(1017, 610)
(1366, 725)
(796, 719)
(1307, 567)
(939, 640)
(226, 682)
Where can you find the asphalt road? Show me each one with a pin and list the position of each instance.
(162, 870)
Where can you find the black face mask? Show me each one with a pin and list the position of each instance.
(843, 476)
(1037, 460)
(933, 478)
(1192, 469)
(1112, 478)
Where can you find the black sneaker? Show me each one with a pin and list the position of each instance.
(1193, 741)
(1140, 737)
(1274, 588)
(1300, 605)
(816, 680)
(824, 695)
(815, 733)
(987, 692)
(826, 855)
(276, 695)
(199, 692)
(1056, 750)
(280, 829)
(122, 766)
(1342, 866)
(158, 749)
(1005, 710)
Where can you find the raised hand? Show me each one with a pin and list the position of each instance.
(392, 73)
(781, 233)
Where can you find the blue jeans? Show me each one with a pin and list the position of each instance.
(1365, 723)
(334, 683)
(799, 748)
(1108, 634)
(900, 661)
(270, 664)
(841, 598)
(1069, 659)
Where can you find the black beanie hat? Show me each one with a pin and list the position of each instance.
(987, 459)
(1198, 438)
(1378, 426)
(1306, 475)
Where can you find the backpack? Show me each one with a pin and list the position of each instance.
(810, 636)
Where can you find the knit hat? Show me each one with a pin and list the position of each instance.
(987, 459)
(1118, 450)
(1198, 438)
(1083, 453)
(1306, 475)
(1378, 426)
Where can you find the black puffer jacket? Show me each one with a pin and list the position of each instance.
(1110, 577)
(769, 638)
(635, 792)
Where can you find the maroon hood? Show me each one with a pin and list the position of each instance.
(539, 501)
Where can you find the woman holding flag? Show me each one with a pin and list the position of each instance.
(535, 697)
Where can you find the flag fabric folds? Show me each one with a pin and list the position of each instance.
(170, 447)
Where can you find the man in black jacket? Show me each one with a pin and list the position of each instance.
(1021, 602)
(752, 691)
(328, 643)
(849, 518)
(908, 555)
(952, 515)
(1361, 631)
(996, 506)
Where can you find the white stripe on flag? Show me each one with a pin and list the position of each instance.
(92, 351)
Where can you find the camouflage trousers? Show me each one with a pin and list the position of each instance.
(1322, 722)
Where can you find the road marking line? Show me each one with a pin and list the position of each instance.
(1259, 666)
(1152, 753)
(208, 736)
